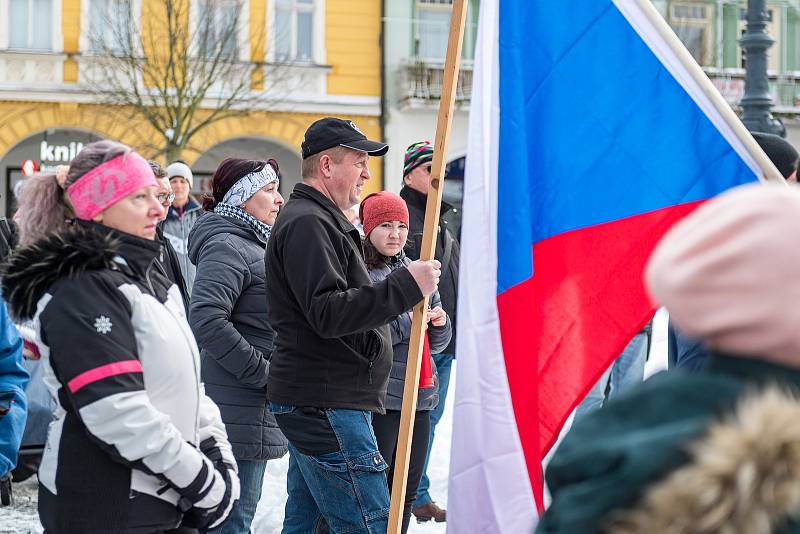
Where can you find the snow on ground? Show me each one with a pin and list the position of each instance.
(22, 518)
(658, 350)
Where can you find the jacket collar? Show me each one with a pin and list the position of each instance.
(134, 252)
(215, 222)
(302, 190)
(753, 369)
(174, 213)
(419, 200)
(79, 247)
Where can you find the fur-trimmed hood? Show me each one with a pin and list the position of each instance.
(32, 269)
(743, 476)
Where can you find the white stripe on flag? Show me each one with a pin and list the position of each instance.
(489, 488)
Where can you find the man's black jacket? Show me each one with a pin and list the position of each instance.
(446, 245)
(332, 342)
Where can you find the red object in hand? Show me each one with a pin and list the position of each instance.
(426, 368)
(30, 351)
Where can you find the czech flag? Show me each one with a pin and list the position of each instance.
(591, 133)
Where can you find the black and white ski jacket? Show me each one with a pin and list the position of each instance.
(122, 454)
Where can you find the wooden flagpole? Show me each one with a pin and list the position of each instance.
(429, 235)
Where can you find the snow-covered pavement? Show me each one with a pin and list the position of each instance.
(22, 517)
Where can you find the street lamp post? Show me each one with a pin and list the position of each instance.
(756, 102)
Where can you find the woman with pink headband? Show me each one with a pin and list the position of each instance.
(136, 445)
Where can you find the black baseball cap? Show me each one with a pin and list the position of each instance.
(330, 132)
(779, 151)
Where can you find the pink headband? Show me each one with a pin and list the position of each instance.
(108, 183)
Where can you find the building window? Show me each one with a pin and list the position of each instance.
(218, 28)
(689, 12)
(433, 29)
(30, 24)
(294, 36)
(109, 29)
(792, 40)
(692, 22)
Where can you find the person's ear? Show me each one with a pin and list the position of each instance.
(325, 165)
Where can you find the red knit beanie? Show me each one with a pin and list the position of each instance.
(382, 207)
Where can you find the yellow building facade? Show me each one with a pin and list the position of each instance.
(47, 113)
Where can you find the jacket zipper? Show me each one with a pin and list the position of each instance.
(147, 277)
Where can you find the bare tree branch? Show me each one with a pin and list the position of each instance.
(180, 70)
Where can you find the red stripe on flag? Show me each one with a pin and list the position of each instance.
(565, 325)
(104, 371)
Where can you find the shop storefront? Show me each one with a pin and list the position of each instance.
(40, 152)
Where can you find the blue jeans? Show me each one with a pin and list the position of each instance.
(347, 488)
(626, 372)
(251, 478)
(444, 363)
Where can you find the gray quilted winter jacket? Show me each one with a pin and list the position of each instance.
(438, 339)
(228, 315)
(177, 229)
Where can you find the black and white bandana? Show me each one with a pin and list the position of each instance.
(249, 184)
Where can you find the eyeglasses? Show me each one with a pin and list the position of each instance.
(165, 197)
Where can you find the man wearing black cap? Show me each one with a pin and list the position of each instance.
(333, 350)
(780, 152)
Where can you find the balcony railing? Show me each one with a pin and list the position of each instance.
(421, 83)
(784, 88)
(24, 68)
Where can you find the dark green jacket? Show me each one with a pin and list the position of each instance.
(608, 460)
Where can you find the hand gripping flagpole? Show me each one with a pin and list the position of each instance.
(429, 235)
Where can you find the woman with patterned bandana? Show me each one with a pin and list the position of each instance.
(228, 313)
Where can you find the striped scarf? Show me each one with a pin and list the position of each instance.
(237, 213)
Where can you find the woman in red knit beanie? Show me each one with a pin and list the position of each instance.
(385, 219)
